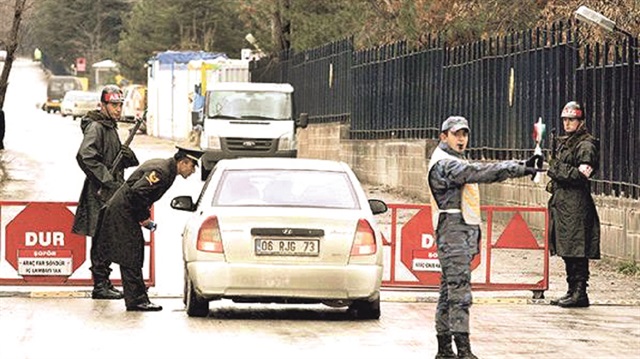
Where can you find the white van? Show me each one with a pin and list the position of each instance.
(135, 102)
(248, 119)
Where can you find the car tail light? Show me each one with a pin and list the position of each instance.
(209, 239)
(364, 242)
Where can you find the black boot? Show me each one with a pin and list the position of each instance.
(445, 351)
(463, 345)
(101, 290)
(570, 290)
(578, 299)
(114, 289)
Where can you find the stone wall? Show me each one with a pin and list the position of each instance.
(401, 165)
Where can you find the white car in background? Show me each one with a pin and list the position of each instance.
(282, 230)
(78, 103)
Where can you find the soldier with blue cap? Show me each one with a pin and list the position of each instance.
(455, 201)
(129, 210)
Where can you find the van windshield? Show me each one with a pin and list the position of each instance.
(60, 86)
(249, 105)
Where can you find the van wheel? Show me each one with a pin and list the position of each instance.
(204, 173)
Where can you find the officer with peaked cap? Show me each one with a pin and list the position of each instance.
(455, 201)
(190, 152)
(129, 210)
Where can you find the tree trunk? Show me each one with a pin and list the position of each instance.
(11, 46)
(281, 26)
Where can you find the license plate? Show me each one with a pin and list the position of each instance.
(287, 247)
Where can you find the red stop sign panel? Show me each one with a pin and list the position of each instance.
(40, 244)
(418, 250)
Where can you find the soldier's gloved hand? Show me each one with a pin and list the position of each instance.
(533, 171)
(150, 225)
(534, 161)
(127, 152)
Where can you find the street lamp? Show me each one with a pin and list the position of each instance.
(590, 16)
(587, 15)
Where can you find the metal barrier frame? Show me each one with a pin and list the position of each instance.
(150, 281)
(537, 288)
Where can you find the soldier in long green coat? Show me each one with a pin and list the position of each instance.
(96, 156)
(574, 226)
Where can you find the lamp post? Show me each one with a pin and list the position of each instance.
(593, 17)
(590, 16)
(587, 15)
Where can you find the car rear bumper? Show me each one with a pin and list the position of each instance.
(220, 279)
(53, 105)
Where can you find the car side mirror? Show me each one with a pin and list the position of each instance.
(377, 206)
(303, 120)
(183, 203)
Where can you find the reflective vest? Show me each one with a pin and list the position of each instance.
(470, 201)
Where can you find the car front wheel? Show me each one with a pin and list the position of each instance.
(196, 307)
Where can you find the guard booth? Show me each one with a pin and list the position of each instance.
(514, 249)
(37, 247)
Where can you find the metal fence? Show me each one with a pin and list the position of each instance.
(502, 85)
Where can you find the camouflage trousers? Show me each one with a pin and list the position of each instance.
(452, 312)
(457, 244)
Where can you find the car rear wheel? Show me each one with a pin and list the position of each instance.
(196, 307)
(364, 309)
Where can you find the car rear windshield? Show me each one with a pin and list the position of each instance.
(290, 188)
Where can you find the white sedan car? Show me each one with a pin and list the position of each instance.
(282, 230)
(78, 103)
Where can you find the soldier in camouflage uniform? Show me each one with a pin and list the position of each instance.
(453, 183)
(574, 226)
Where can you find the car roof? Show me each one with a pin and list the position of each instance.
(283, 163)
(80, 92)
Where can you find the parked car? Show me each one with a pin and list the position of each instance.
(78, 103)
(57, 87)
(282, 230)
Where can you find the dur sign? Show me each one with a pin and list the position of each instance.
(40, 244)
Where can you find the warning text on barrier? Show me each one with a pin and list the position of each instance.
(45, 262)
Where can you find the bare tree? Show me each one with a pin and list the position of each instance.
(10, 44)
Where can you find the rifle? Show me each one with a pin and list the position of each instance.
(132, 133)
